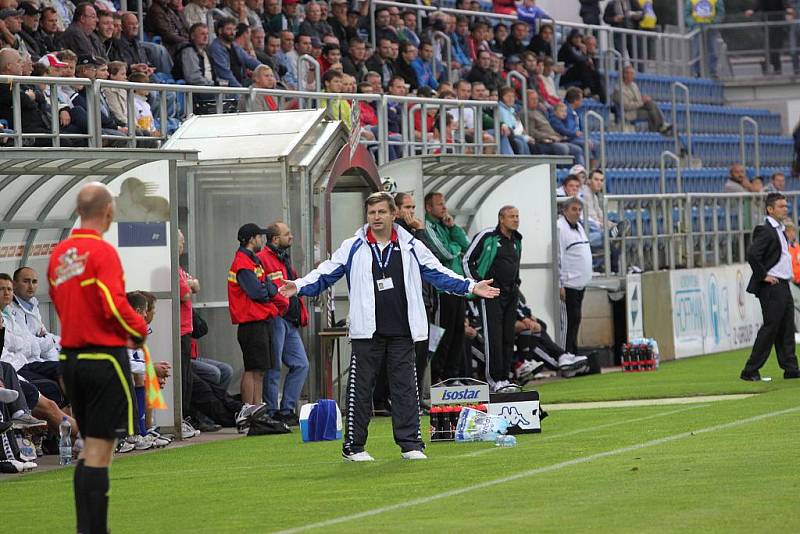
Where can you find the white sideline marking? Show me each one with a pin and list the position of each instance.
(646, 402)
(583, 430)
(537, 471)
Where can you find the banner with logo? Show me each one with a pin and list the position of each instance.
(711, 311)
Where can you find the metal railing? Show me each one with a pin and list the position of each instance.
(756, 143)
(444, 38)
(587, 129)
(223, 99)
(683, 230)
(523, 82)
(666, 53)
(687, 118)
(761, 42)
(308, 60)
(663, 172)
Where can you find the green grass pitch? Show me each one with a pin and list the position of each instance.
(727, 466)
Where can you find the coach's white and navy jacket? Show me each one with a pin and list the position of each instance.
(354, 259)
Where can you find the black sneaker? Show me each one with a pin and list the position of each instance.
(288, 418)
(750, 377)
(204, 424)
(791, 374)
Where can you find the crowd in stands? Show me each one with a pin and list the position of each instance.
(258, 43)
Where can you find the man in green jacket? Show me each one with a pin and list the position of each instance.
(496, 253)
(448, 242)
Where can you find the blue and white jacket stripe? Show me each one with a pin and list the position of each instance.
(354, 260)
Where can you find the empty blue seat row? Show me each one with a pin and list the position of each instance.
(722, 150)
(722, 120)
(635, 150)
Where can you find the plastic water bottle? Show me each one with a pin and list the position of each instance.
(505, 441)
(65, 443)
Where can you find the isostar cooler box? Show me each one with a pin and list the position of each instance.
(305, 412)
(520, 409)
(448, 400)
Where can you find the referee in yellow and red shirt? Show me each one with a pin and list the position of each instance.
(87, 287)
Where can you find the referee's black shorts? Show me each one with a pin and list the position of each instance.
(255, 342)
(97, 381)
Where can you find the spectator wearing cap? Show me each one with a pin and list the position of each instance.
(79, 36)
(287, 19)
(515, 43)
(313, 24)
(164, 20)
(33, 106)
(29, 29)
(423, 67)
(10, 33)
(229, 60)
(87, 68)
(253, 302)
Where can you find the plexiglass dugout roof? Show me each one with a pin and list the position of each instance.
(38, 189)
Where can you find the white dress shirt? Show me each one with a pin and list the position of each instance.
(782, 269)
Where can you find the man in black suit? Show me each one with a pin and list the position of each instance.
(769, 258)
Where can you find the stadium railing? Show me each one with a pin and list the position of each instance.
(220, 100)
(673, 231)
(753, 41)
(667, 53)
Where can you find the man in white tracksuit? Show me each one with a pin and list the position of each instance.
(574, 269)
(385, 267)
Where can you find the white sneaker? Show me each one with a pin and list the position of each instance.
(188, 431)
(414, 455)
(242, 418)
(504, 386)
(141, 443)
(524, 372)
(158, 440)
(362, 456)
(569, 362)
(124, 446)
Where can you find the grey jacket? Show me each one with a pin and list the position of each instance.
(194, 65)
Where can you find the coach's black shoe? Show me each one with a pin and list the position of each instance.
(750, 377)
(289, 418)
(791, 374)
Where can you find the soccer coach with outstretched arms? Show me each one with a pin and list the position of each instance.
(385, 267)
(769, 258)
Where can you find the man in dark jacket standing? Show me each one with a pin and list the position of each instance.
(771, 262)
(496, 253)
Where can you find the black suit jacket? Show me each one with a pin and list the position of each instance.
(763, 254)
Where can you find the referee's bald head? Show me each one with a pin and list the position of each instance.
(93, 200)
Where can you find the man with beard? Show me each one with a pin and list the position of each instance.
(28, 32)
(287, 346)
(229, 60)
